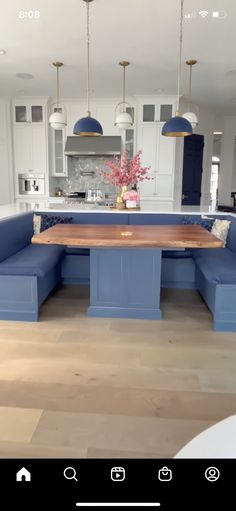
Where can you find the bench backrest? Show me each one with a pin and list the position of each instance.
(15, 234)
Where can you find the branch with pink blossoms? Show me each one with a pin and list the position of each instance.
(125, 172)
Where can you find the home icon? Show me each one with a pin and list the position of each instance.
(23, 475)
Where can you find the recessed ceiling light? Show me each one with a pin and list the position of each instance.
(2, 52)
(24, 76)
(218, 133)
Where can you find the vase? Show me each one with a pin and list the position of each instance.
(131, 204)
(120, 204)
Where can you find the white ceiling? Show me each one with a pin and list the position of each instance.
(142, 31)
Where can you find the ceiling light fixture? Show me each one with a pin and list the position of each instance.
(178, 126)
(191, 116)
(88, 126)
(57, 119)
(2, 52)
(123, 119)
(24, 76)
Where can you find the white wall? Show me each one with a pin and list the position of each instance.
(233, 188)
(227, 160)
(6, 171)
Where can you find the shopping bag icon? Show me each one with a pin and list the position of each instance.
(165, 474)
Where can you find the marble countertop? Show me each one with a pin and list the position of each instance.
(20, 207)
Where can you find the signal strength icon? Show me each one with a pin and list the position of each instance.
(203, 14)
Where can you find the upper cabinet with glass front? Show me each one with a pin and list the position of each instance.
(28, 112)
(155, 109)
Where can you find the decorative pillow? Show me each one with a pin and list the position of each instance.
(207, 223)
(44, 221)
(220, 229)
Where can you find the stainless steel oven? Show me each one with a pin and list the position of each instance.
(31, 184)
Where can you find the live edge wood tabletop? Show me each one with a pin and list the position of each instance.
(121, 236)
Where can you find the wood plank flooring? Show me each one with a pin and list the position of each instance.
(73, 386)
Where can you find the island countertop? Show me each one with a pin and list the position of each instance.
(46, 206)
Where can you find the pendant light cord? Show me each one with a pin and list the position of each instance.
(88, 62)
(124, 89)
(190, 89)
(57, 87)
(180, 54)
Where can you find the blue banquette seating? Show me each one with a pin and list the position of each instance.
(28, 273)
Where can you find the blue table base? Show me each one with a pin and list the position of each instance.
(125, 283)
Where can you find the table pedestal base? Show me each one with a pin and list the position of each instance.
(125, 283)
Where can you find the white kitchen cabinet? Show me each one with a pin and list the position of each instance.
(155, 110)
(105, 114)
(28, 111)
(22, 149)
(60, 161)
(30, 137)
(158, 152)
(30, 149)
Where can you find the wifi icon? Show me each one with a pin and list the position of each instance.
(203, 14)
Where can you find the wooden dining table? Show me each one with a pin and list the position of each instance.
(125, 262)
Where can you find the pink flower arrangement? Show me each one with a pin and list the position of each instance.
(132, 195)
(125, 172)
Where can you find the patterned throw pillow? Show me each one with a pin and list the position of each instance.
(43, 222)
(220, 229)
(207, 223)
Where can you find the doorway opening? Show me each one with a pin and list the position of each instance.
(192, 170)
(215, 169)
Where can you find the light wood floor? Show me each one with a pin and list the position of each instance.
(72, 386)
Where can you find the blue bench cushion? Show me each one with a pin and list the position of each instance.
(218, 265)
(33, 260)
(176, 254)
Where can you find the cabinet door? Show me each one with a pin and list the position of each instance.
(165, 153)
(165, 112)
(39, 149)
(20, 114)
(28, 112)
(36, 114)
(128, 142)
(106, 116)
(147, 113)
(59, 159)
(148, 145)
(23, 148)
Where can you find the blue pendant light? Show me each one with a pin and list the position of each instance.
(88, 126)
(178, 126)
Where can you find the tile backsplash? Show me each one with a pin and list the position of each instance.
(84, 173)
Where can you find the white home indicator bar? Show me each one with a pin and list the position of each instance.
(118, 504)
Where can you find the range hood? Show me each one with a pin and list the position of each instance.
(92, 146)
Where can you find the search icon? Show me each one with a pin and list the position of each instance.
(70, 473)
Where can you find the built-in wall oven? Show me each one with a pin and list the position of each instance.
(31, 184)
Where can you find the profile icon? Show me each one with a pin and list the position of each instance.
(212, 474)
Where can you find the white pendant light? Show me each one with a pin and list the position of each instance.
(123, 120)
(178, 126)
(190, 115)
(88, 126)
(57, 119)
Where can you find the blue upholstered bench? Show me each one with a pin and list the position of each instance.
(28, 273)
